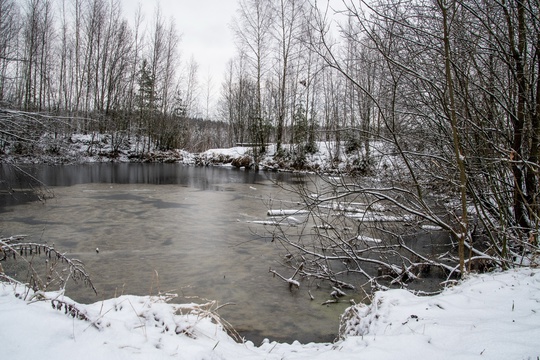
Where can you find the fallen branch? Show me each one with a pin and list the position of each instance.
(292, 283)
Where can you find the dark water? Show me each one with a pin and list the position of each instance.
(174, 228)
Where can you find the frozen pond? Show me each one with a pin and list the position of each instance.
(180, 229)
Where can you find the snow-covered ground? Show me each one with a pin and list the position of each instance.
(89, 148)
(489, 316)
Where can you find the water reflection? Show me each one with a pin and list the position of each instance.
(158, 174)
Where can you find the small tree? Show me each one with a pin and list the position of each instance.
(146, 101)
(302, 141)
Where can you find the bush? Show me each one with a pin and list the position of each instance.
(352, 143)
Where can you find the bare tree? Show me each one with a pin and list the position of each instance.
(9, 30)
(235, 91)
(289, 21)
(253, 32)
(38, 32)
(191, 89)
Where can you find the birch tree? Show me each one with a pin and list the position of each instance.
(288, 26)
(253, 33)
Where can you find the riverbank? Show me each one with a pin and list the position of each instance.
(489, 316)
(327, 157)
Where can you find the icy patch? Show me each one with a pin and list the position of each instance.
(431, 227)
(286, 212)
(368, 239)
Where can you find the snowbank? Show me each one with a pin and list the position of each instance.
(490, 316)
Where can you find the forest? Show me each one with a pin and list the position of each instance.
(449, 87)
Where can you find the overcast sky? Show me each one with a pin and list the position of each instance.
(205, 29)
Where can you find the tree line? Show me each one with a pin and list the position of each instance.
(84, 61)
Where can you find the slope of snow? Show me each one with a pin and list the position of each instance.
(490, 316)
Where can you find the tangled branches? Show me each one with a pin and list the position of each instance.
(354, 234)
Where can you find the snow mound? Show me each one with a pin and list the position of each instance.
(494, 316)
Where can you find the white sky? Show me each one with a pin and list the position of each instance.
(205, 29)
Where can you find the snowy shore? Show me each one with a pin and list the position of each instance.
(91, 148)
(489, 316)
